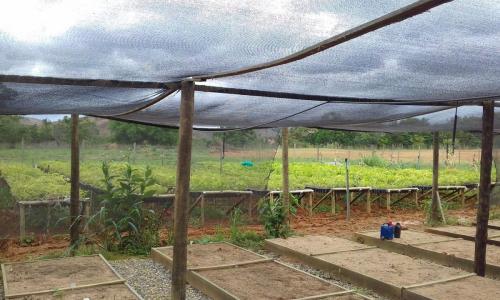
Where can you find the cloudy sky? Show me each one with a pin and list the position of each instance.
(450, 52)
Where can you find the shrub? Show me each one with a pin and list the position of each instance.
(273, 216)
(121, 223)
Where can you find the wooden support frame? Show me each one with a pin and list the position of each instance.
(179, 265)
(64, 202)
(74, 209)
(285, 177)
(483, 210)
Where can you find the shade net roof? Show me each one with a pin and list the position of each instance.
(446, 51)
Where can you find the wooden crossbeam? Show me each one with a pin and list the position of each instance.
(322, 199)
(403, 197)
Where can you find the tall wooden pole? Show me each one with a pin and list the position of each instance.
(347, 192)
(181, 204)
(286, 186)
(434, 215)
(483, 209)
(75, 184)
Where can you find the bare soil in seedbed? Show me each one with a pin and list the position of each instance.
(111, 292)
(474, 287)
(463, 249)
(466, 231)
(57, 273)
(393, 268)
(318, 244)
(204, 255)
(268, 280)
(409, 237)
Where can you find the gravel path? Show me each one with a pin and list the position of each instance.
(149, 279)
(1, 290)
(152, 280)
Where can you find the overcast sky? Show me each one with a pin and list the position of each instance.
(451, 52)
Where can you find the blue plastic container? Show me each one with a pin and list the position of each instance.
(386, 232)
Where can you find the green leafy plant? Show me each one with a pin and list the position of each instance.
(273, 214)
(121, 223)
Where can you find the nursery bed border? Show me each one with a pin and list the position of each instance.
(119, 281)
(412, 249)
(365, 281)
(211, 289)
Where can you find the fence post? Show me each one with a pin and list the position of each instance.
(181, 203)
(75, 184)
(483, 209)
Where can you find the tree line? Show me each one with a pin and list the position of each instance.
(14, 131)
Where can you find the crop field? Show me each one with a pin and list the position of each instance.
(22, 169)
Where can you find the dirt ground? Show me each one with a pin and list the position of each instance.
(463, 249)
(64, 273)
(302, 224)
(393, 268)
(114, 292)
(279, 282)
(218, 254)
(470, 288)
(462, 156)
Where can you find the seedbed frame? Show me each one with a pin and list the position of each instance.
(378, 285)
(211, 289)
(416, 250)
(493, 236)
(119, 281)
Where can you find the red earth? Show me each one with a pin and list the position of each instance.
(320, 223)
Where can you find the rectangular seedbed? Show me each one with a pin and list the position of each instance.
(71, 278)
(473, 287)
(466, 232)
(493, 224)
(380, 270)
(225, 271)
(454, 252)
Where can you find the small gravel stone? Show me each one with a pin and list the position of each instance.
(150, 279)
(1, 290)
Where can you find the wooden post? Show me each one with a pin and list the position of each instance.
(462, 197)
(416, 198)
(22, 222)
(347, 198)
(202, 210)
(310, 204)
(75, 184)
(181, 204)
(434, 214)
(334, 196)
(388, 200)
(368, 201)
(483, 209)
(286, 186)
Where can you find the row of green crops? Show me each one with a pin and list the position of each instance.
(204, 175)
(27, 183)
(207, 176)
(317, 174)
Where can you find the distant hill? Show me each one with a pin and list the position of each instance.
(31, 121)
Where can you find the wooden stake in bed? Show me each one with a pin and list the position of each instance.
(435, 206)
(286, 187)
(75, 184)
(181, 204)
(483, 209)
